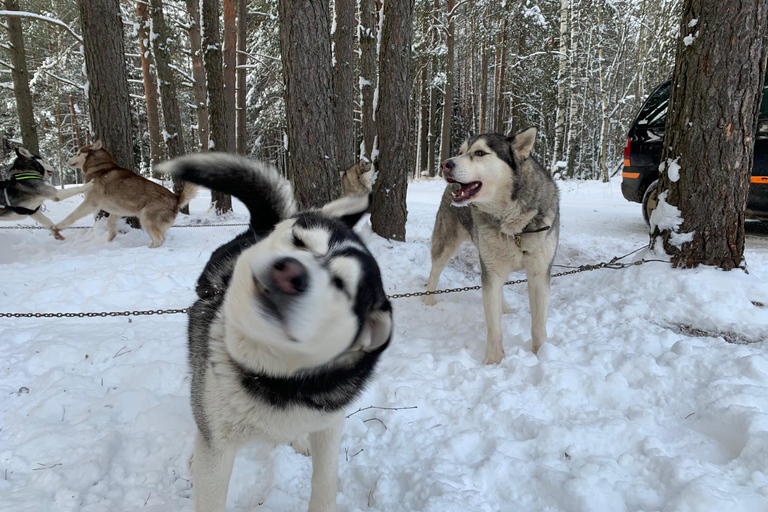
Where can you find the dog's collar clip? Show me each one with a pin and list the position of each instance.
(519, 236)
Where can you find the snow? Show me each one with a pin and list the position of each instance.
(637, 402)
(672, 167)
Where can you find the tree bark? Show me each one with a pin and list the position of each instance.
(500, 107)
(108, 97)
(20, 76)
(445, 133)
(369, 71)
(306, 56)
(562, 70)
(343, 83)
(394, 117)
(242, 40)
(710, 131)
(423, 121)
(150, 87)
(198, 73)
(214, 76)
(230, 63)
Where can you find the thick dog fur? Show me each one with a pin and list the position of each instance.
(29, 194)
(123, 193)
(516, 196)
(275, 359)
(358, 179)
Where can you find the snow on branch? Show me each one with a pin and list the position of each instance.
(47, 19)
(6, 64)
(64, 80)
(182, 73)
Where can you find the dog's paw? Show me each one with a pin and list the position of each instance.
(429, 300)
(56, 234)
(301, 446)
(493, 356)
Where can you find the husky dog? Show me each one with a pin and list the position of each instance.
(123, 193)
(28, 187)
(511, 213)
(290, 322)
(358, 179)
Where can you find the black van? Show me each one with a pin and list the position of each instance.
(642, 156)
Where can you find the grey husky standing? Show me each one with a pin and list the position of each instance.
(290, 322)
(506, 203)
(28, 186)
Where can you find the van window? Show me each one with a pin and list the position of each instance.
(654, 111)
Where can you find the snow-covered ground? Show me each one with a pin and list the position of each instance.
(636, 403)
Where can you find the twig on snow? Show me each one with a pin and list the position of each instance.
(382, 409)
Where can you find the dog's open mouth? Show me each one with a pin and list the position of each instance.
(465, 191)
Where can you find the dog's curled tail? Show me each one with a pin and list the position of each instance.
(267, 195)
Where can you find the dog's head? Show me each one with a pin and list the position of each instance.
(358, 179)
(90, 154)
(309, 293)
(485, 163)
(26, 161)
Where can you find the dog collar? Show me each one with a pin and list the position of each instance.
(26, 176)
(519, 237)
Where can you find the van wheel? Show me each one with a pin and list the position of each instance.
(650, 200)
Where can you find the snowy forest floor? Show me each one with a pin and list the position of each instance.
(637, 402)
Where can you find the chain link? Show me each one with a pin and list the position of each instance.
(613, 264)
(174, 226)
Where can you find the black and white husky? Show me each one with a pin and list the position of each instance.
(290, 322)
(28, 186)
(511, 213)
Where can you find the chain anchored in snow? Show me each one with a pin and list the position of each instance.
(612, 264)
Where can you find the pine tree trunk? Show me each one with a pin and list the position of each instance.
(230, 63)
(423, 149)
(483, 89)
(394, 117)
(343, 83)
(214, 78)
(306, 56)
(174, 131)
(73, 120)
(242, 40)
(711, 124)
(368, 72)
(562, 70)
(570, 144)
(20, 77)
(445, 132)
(500, 107)
(150, 87)
(198, 73)
(108, 97)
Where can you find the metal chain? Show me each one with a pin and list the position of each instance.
(174, 226)
(613, 264)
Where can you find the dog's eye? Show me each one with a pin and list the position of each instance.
(298, 242)
(338, 283)
(480, 152)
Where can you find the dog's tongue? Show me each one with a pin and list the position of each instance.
(465, 192)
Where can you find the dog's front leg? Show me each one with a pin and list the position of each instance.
(211, 469)
(492, 306)
(78, 213)
(69, 192)
(538, 297)
(324, 447)
(45, 221)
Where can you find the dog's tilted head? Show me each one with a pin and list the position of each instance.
(485, 163)
(90, 153)
(310, 290)
(26, 161)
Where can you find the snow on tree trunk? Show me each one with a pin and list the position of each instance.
(394, 118)
(20, 77)
(198, 73)
(214, 80)
(445, 132)
(150, 87)
(369, 71)
(230, 63)
(242, 39)
(306, 57)
(710, 132)
(343, 83)
(562, 70)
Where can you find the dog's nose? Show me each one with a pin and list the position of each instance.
(448, 165)
(289, 276)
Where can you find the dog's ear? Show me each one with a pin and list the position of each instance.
(464, 147)
(348, 209)
(377, 330)
(523, 142)
(363, 167)
(23, 152)
(96, 145)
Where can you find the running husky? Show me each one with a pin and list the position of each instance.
(290, 322)
(512, 216)
(28, 186)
